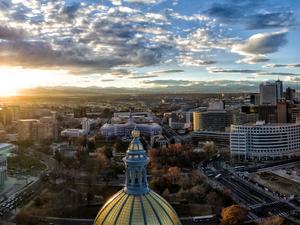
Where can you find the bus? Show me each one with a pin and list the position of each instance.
(239, 169)
(198, 219)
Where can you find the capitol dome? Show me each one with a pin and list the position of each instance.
(136, 204)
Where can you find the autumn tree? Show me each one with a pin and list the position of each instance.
(173, 174)
(102, 160)
(233, 215)
(274, 220)
(210, 148)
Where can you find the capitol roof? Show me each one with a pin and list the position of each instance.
(136, 204)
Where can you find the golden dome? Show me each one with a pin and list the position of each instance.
(136, 204)
(126, 209)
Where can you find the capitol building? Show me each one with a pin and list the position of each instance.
(136, 204)
(110, 130)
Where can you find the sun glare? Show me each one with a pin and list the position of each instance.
(13, 80)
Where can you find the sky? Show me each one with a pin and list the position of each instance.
(147, 43)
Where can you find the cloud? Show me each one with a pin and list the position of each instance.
(187, 60)
(249, 71)
(107, 80)
(145, 76)
(194, 17)
(257, 46)
(221, 70)
(144, 1)
(81, 38)
(8, 33)
(278, 74)
(168, 82)
(281, 65)
(249, 14)
(167, 71)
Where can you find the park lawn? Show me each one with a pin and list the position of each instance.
(24, 162)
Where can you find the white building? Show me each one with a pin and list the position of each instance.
(86, 125)
(264, 141)
(72, 133)
(124, 130)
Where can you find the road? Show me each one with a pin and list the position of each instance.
(67, 221)
(259, 203)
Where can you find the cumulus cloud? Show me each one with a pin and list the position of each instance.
(81, 38)
(114, 37)
(257, 46)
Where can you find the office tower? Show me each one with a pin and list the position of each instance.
(290, 94)
(279, 87)
(268, 93)
(282, 112)
(216, 120)
(267, 113)
(27, 129)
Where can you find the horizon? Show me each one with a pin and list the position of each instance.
(224, 46)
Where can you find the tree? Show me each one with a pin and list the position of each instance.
(58, 156)
(274, 220)
(38, 202)
(121, 146)
(90, 195)
(102, 160)
(108, 151)
(174, 174)
(233, 215)
(91, 145)
(210, 148)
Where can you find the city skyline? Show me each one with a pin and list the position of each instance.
(148, 44)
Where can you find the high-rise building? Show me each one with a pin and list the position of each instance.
(279, 88)
(239, 118)
(47, 128)
(9, 114)
(27, 129)
(282, 112)
(290, 94)
(268, 93)
(136, 203)
(267, 113)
